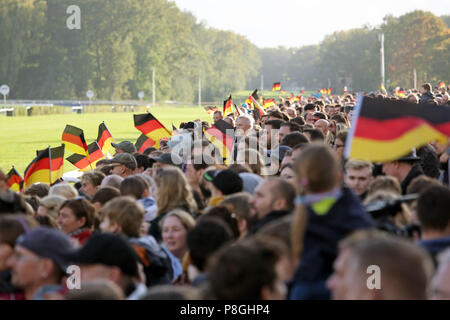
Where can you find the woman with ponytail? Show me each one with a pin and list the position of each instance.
(325, 214)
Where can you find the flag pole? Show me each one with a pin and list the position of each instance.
(109, 132)
(50, 164)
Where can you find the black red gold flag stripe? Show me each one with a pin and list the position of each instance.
(39, 169)
(267, 103)
(276, 86)
(151, 127)
(385, 130)
(143, 142)
(73, 138)
(258, 111)
(57, 163)
(79, 161)
(227, 106)
(104, 138)
(221, 136)
(253, 97)
(14, 181)
(84, 163)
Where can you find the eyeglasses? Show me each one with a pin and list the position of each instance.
(20, 257)
(336, 146)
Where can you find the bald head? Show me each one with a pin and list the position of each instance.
(322, 125)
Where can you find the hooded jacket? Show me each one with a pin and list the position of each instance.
(322, 235)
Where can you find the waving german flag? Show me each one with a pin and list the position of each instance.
(441, 85)
(276, 86)
(227, 106)
(39, 169)
(258, 111)
(221, 136)
(104, 138)
(56, 163)
(73, 138)
(253, 97)
(151, 127)
(143, 142)
(14, 181)
(385, 130)
(87, 163)
(267, 103)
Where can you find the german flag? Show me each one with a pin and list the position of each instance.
(104, 138)
(143, 142)
(151, 127)
(329, 90)
(87, 163)
(57, 163)
(268, 103)
(253, 97)
(73, 138)
(227, 106)
(237, 110)
(382, 88)
(14, 181)
(283, 91)
(39, 169)
(221, 136)
(441, 85)
(385, 130)
(276, 86)
(257, 109)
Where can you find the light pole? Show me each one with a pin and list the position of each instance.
(381, 38)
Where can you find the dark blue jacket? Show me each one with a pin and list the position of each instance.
(323, 232)
(435, 246)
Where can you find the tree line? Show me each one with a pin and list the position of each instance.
(416, 40)
(115, 51)
(121, 41)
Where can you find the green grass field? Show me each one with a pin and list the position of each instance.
(21, 136)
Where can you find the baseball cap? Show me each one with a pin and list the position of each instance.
(227, 181)
(169, 158)
(126, 159)
(411, 156)
(108, 249)
(250, 181)
(126, 146)
(48, 243)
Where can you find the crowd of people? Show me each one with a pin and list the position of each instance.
(285, 217)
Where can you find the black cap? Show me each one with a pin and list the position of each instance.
(169, 158)
(227, 181)
(411, 156)
(48, 243)
(108, 249)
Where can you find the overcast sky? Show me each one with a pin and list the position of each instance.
(293, 23)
